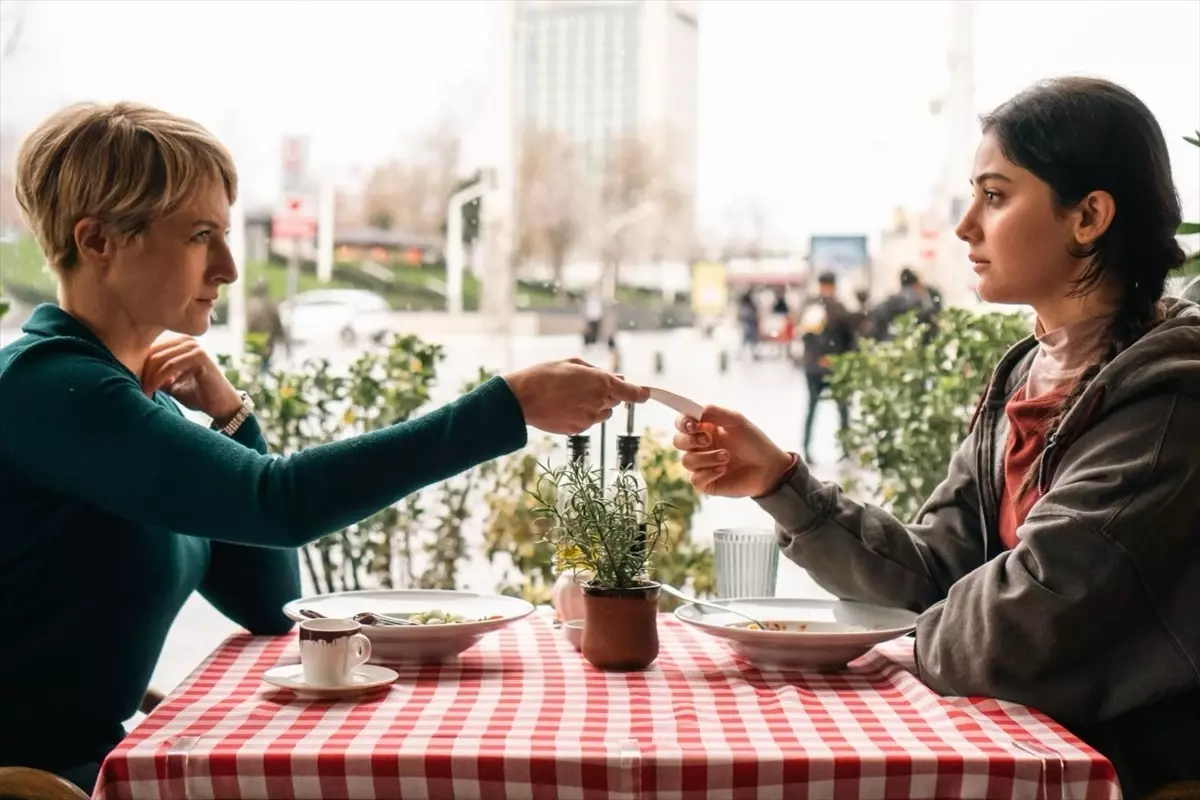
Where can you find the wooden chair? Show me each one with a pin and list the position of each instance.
(1184, 790)
(26, 783)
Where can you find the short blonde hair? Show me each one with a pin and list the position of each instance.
(125, 164)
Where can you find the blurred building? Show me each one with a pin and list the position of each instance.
(943, 253)
(603, 72)
(923, 239)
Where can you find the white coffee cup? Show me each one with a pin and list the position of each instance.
(331, 649)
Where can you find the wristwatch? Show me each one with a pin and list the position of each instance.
(243, 414)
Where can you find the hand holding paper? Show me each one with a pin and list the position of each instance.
(727, 454)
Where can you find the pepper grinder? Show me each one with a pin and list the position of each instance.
(627, 443)
(604, 446)
(566, 596)
(577, 446)
(627, 455)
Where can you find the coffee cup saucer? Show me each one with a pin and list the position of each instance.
(365, 678)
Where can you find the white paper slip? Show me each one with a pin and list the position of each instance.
(681, 404)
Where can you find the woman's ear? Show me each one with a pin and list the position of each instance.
(1093, 216)
(94, 242)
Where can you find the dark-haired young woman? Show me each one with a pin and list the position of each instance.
(1058, 564)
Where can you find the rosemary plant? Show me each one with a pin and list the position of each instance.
(607, 532)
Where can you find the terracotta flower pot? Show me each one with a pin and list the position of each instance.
(620, 629)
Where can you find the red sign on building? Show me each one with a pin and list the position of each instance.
(294, 222)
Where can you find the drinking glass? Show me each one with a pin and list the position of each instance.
(747, 562)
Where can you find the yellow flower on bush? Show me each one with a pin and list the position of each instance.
(567, 558)
(287, 391)
(349, 417)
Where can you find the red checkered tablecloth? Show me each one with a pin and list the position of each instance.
(522, 715)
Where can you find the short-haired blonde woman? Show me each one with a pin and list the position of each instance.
(115, 506)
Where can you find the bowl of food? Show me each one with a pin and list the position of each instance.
(793, 633)
(415, 626)
(573, 632)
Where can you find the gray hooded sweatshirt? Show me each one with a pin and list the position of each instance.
(1094, 617)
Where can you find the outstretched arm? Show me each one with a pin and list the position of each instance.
(74, 421)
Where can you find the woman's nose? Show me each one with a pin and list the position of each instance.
(222, 266)
(966, 228)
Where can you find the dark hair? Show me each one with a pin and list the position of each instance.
(908, 277)
(827, 278)
(1081, 135)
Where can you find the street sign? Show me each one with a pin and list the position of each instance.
(299, 229)
(294, 221)
(296, 216)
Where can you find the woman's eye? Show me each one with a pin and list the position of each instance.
(991, 197)
(202, 236)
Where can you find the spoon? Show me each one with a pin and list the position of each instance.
(671, 590)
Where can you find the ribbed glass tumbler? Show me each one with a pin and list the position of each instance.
(747, 562)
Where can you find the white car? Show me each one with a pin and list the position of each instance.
(348, 315)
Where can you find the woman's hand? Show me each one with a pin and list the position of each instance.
(182, 369)
(728, 455)
(570, 396)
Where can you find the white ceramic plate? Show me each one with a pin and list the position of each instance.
(406, 644)
(819, 634)
(366, 678)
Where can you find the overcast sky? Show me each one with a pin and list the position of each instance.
(817, 111)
